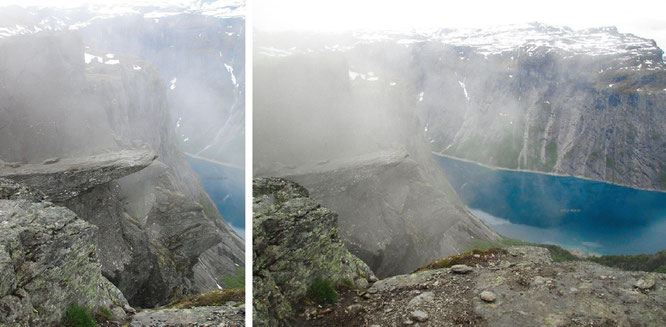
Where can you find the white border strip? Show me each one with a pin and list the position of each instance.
(248, 161)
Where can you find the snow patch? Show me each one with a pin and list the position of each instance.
(464, 89)
(112, 62)
(89, 58)
(231, 71)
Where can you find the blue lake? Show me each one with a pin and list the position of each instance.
(226, 187)
(572, 212)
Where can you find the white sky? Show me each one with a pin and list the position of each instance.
(645, 18)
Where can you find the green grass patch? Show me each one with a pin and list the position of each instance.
(213, 298)
(610, 163)
(105, 314)
(661, 178)
(643, 262)
(208, 207)
(235, 281)
(638, 262)
(77, 316)
(551, 155)
(348, 284)
(469, 258)
(557, 253)
(322, 291)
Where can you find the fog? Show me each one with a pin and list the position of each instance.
(307, 109)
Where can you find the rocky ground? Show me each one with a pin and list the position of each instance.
(229, 315)
(519, 286)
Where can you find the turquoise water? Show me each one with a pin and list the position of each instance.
(572, 212)
(226, 187)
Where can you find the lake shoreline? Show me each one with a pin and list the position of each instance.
(545, 173)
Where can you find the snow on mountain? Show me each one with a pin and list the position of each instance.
(604, 41)
(26, 19)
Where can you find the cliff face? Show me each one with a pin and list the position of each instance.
(358, 147)
(548, 109)
(68, 114)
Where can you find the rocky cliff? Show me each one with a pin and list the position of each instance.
(73, 124)
(362, 154)
(543, 98)
(295, 242)
(48, 260)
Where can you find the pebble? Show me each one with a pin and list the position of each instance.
(50, 161)
(354, 307)
(488, 296)
(361, 283)
(461, 269)
(419, 316)
(420, 299)
(645, 284)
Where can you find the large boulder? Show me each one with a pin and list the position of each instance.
(48, 260)
(295, 242)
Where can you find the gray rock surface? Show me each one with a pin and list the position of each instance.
(67, 178)
(218, 316)
(49, 260)
(461, 269)
(295, 241)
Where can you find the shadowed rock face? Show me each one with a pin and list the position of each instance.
(84, 145)
(48, 260)
(295, 242)
(360, 153)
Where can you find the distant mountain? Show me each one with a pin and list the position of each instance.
(534, 97)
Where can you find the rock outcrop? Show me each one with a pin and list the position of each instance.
(48, 260)
(517, 286)
(68, 178)
(295, 242)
